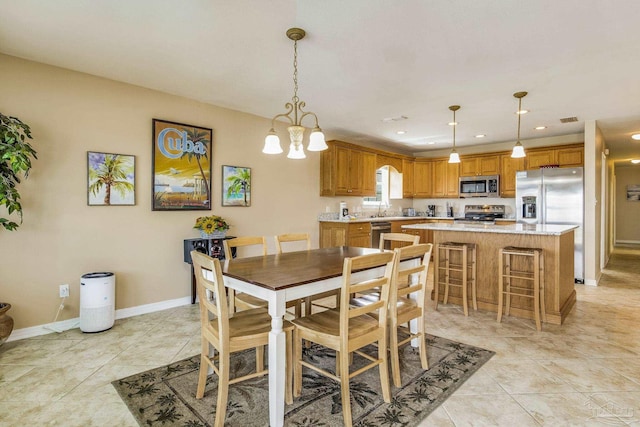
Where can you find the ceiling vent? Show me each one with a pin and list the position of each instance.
(394, 119)
(569, 120)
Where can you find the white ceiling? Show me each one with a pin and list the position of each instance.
(363, 61)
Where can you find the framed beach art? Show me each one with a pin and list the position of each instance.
(181, 174)
(633, 193)
(236, 186)
(110, 179)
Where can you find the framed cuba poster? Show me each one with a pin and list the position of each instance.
(181, 166)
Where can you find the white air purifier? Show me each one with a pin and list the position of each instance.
(97, 301)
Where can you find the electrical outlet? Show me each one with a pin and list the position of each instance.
(64, 290)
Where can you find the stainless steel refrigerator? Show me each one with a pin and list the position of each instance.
(554, 196)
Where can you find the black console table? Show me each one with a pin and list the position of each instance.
(212, 247)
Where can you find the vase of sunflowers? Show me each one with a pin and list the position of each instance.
(212, 227)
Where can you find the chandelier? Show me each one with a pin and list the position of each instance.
(295, 114)
(518, 149)
(454, 157)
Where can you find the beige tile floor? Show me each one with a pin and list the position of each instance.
(585, 372)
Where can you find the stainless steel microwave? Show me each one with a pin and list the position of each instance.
(480, 186)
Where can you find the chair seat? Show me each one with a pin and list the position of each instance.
(250, 301)
(328, 323)
(249, 323)
(404, 305)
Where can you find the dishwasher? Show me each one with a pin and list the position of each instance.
(378, 228)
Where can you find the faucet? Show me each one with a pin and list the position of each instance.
(383, 213)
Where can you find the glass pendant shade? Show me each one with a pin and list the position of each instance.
(296, 152)
(272, 143)
(454, 157)
(316, 140)
(518, 151)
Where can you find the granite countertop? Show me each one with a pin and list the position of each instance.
(534, 229)
(386, 218)
(401, 218)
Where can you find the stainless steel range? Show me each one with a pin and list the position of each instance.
(484, 214)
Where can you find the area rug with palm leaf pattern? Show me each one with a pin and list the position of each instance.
(165, 396)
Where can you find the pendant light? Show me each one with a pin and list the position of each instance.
(518, 149)
(295, 114)
(454, 157)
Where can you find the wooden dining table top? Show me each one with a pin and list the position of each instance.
(281, 271)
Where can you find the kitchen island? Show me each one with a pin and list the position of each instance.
(556, 241)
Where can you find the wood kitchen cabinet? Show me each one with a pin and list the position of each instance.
(445, 179)
(408, 179)
(509, 167)
(347, 171)
(567, 156)
(480, 165)
(345, 234)
(570, 157)
(423, 179)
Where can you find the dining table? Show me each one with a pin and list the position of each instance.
(288, 276)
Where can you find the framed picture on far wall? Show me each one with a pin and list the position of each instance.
(181, 174)
(633, 193)
(236, 186)
(110, 179)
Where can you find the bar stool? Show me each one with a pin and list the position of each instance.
(521, 278)
(463, 265)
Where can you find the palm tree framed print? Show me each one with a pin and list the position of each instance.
(111, 179)
(181, 166)
(236, 186)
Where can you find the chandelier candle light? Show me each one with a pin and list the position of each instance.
(454, 157)
(518, 149)
(295, 114)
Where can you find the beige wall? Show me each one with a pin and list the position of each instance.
(627, 212)
(63, 238)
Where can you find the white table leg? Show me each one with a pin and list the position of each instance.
(277, 357)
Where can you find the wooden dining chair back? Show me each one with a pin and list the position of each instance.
(308, 301)
(347, 329)
(398, 240)
(407, 300)
(244, 301)
(293, 238)
(226, 335)
(246, 241)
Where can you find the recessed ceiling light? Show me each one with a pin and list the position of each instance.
(522, 112)
(540, 127)
(636, 136)
(482, 135)
(401, 132)
(635, 161)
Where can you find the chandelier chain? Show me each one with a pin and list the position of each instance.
(295, 71)
(454, 128)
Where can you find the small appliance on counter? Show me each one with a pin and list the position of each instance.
(431, 210)
(408, 212)
(344, 211)
(480, 186)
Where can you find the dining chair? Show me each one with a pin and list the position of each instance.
(228, 333)
(401, 239)
(244, 301)
(292, 238)
(407, 298)
(308, 301)
(347, 329)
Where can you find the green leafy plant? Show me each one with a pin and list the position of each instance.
(15, 162)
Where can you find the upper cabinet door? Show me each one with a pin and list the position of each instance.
(423, 183)
(408, 182)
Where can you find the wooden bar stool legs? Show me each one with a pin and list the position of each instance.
(464, 269)
(521, 278)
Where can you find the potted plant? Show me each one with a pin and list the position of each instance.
(15, 162)
(213, 226)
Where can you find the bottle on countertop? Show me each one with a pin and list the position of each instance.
(344, 211)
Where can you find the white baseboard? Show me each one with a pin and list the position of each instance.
(65, 325)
